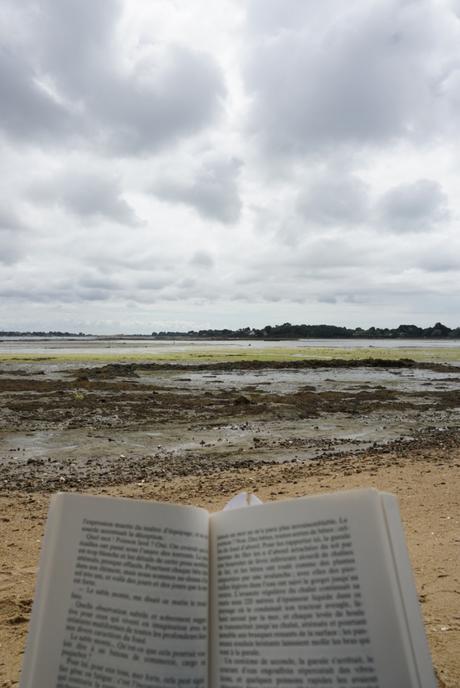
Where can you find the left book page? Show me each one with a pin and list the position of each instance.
(121, 597)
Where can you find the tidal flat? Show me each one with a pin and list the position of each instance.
(91, 353)
(196, 426)
(79, 426)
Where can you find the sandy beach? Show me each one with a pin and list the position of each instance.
(199, 434)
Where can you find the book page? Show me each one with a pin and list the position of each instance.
(303, 594)
(125, 598)
(408, 592)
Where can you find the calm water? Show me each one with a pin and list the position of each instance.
(59, 345)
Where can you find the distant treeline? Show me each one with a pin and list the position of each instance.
(13, 333)
(284, 331)
(288, 331)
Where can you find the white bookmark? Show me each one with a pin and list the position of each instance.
(241, 500)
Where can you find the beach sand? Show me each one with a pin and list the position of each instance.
(427, 486)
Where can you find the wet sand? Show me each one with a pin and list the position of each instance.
(199, 433)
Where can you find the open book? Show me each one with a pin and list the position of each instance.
(308, 592)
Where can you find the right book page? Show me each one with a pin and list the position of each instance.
(306, 592)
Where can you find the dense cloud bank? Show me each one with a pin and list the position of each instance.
(228, 162)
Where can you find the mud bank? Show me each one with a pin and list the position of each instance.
(77, 427)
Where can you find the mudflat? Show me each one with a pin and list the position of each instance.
(199, 433)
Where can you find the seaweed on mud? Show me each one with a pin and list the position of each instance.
(124, 403)
(131, 369)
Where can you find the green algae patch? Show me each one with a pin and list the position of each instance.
(251, 352)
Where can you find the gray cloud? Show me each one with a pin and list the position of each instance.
(441, 257)
(272, 18)
(68, 81)
(336, 200)
(11, 247)
(416, 207)
(370, 73)
(87, 195)
(12, 229)
(27, 111)
(99, 282)
(328, 260)
(202, 259)
(327, 298)
(9, 220)
(155, 282)
(75, 37)
(441, 263)
(212, 191)
(331, 252)
(175, 94)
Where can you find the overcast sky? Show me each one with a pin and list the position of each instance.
(183, 165)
